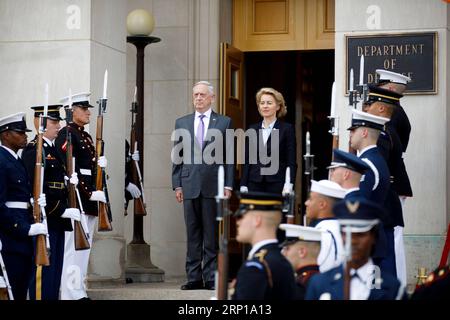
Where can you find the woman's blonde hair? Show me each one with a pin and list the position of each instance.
(278, 99)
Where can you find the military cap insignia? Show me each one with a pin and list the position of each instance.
(352, 207)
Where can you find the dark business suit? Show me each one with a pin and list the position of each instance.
(15, 223)
(251, 172)
(199, 184)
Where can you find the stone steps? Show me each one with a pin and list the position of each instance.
(167, 290)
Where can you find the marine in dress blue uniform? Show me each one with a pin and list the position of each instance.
(301, 248)
(361, 218)
(46, 279)
(15, 211)
(85, 165)
(266, 274)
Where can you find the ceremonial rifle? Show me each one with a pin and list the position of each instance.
(81, 241)
(42, 243)
(289, 198)
(5, 286)
(334, 120)
(222, 257)
(104, 213)
(136, 177)
(348, 258)
(356, 96)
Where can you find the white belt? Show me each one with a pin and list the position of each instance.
(85, 172)
(17, 205)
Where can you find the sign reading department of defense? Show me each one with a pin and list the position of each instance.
(411, 54)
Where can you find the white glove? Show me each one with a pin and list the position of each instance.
(102, 162)
(134, 190)
(37, 228)
(135, 155)
(287, 189)
(243, 189)
(42, 201)
(98, 196)
(72, 213)
(0, 245)
(74, 179)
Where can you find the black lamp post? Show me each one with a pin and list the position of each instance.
(139, 266)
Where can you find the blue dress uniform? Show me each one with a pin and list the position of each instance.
(15, 215)
(303, 275)
(267, 274)
(376, 187)
(46, 279)
(359, 216)
(330, 286)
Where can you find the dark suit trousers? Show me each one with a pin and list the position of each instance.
(19, 268)
(202, 246)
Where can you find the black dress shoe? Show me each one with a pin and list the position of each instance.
(192, 285)
(209, 285)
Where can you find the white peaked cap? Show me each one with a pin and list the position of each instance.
(78, 98)
(393, 76)
(301, 232)
(364, 116)
(328, 188)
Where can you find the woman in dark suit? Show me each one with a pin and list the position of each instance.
(271, 107)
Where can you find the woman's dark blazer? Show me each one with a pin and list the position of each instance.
(287, 155)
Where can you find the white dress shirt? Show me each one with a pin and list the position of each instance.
(361, 284)
(267, 130)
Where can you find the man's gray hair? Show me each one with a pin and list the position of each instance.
(206, 83)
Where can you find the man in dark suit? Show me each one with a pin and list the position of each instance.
(361, 218)
(267, 274)
(16, 220)
(47, 279)
(195, 180)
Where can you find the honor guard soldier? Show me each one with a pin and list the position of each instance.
(319, 210)
(347, 170)
(85, 166)
(132, 191)
(435, 287)
(383, 102)
(375, 184)
(301, 248)
(267, 274)
(361, 218)
(397, 82)
(399, 123)
(16, 220)
(47, 279)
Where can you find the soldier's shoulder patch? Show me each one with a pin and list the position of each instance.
(254, 264)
